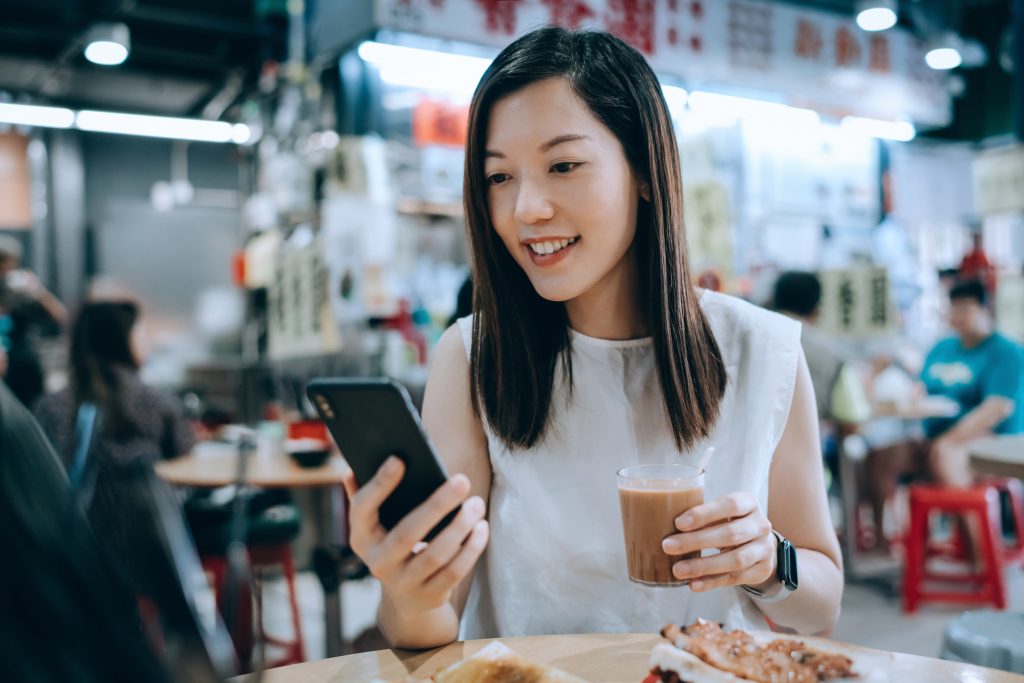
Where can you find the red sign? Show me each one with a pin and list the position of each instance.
(878, 54)
(633, 21)
(848, 51)
(500, 15)
(439, 123)
(569, 13)
(809, 41)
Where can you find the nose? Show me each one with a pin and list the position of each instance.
(532, 204)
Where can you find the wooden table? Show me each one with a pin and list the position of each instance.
(1002, 456)
(213, 471)
(598, 658)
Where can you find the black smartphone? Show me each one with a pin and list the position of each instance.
(371, 419)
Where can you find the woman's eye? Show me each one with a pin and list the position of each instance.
(565, 167)
(497, 178)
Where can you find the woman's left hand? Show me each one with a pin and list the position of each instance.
(734, 525)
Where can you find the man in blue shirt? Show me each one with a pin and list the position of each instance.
(980, 370)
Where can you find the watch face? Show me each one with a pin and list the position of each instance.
(787, 565)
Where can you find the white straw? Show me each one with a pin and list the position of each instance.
(706, 458)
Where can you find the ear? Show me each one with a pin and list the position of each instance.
(645, 191)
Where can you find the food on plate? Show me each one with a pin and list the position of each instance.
(705, 653)
(496, 663)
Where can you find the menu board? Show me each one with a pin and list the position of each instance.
(299, 316)
(856, 302)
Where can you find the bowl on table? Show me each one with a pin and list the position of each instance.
(309, 453)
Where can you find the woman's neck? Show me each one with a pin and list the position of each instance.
(611, 308)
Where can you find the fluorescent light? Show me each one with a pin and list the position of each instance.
(32, 115)
(428, 69)
(902, 131)
(161, 126)
(876, 19)
(943, 58)
(675, 97)
(106, 53)
(108, 44)
(731, 107)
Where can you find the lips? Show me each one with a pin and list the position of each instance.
(549, 251)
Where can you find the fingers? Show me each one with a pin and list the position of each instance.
(365, 502)
(752, 576)
(440, 551)
(722, 536)
(722, 509)
(733, 561)
(417, 524)
(451, 574)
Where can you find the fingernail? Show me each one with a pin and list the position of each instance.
(684, 522)
(391, 465)
(681, 569)
(459, 481)
(697, 585)
(475, 504)
(670, 547)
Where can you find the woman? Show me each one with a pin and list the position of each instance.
(590, 350)
(138, 421)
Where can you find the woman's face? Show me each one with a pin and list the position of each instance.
(561, 193)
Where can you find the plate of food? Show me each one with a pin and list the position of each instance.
(703, 652)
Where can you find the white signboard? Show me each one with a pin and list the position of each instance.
(816, 59)
(855, 302)
(999, 180)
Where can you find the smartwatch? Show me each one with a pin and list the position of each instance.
(785, 571)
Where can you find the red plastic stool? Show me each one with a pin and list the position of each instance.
(1014, 491)
(985, 587)
(262, 557)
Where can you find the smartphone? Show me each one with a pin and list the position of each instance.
(371, 419)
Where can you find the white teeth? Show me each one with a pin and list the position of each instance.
(544, 248)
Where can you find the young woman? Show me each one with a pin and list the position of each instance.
(590, 350)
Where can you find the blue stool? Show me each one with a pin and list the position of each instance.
(986, 638)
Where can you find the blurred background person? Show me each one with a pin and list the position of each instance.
(26, 309)
(983, 372)
(138, 420)
(68, 614)
(839, 392)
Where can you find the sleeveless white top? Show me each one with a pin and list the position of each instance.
(556, 560)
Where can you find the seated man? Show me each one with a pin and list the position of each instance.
(983, 372)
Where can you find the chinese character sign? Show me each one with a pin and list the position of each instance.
(855, 302)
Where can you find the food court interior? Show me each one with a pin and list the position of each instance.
(206, 205)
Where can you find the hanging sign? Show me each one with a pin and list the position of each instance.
(815, 59)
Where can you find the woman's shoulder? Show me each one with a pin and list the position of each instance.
(732, 316)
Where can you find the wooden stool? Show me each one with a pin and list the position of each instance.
(985, 587)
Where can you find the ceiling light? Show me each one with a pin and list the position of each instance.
(901, 131)
(108, 44)
(732, 107)
(199, 130)
(425, 69)
(943, 58)
(32, 115)
(876, 15)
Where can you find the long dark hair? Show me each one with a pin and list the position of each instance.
(518, 336)
(101, 350)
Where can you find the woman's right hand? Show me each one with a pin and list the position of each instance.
(417, 577)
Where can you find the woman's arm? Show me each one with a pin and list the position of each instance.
(459, 438)
(798, 509)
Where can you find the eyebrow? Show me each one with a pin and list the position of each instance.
(547, 146)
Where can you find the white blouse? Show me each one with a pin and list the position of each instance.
(556, 561)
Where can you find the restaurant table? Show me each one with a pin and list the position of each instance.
(1002, 456)
(274, 471)
(597, 658)
(880, 569)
